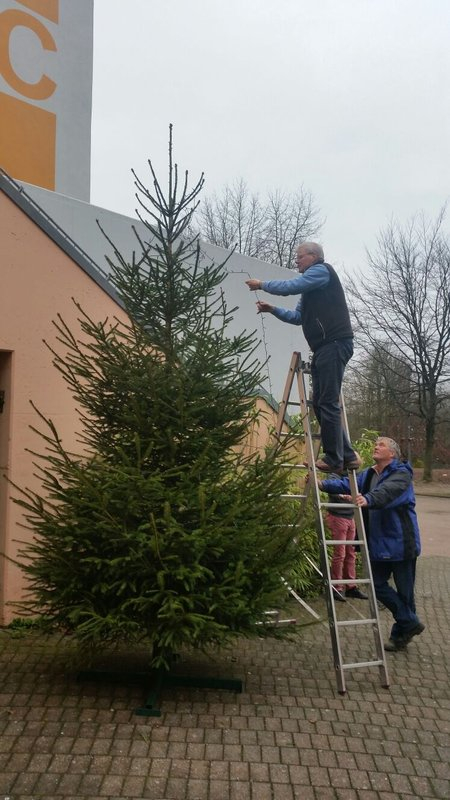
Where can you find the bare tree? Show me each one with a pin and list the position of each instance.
(373, 397)
(402, 311)
(270, 230)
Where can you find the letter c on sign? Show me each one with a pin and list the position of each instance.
(8, 21)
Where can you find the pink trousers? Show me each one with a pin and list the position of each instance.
(344, 556)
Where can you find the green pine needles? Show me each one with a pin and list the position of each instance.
(160, 528)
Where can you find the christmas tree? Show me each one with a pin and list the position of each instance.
(160, 528)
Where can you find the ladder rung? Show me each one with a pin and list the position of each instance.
(293, 403)
(337, 505)
(294, 435)
(346, 581)
(347, 622)
(294, 466)
(336, 542)
(290, 525)
(363, 664)
(294, 496)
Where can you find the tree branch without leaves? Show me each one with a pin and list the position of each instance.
(402, 313)
(269, 230)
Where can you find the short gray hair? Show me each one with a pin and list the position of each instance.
(393, 446)
(313, 249)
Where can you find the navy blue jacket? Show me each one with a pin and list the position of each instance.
(391, 521)
(322, 309)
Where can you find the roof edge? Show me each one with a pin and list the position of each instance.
(25, 202)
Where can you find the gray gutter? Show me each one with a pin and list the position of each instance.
(274, 404)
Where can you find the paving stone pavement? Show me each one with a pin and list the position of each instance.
(288, 736)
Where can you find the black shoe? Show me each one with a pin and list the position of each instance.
(416, 631)
(401, 642)
(339, 596)
(354, 463)
(356, 594)
(324, 466)
(395, 644)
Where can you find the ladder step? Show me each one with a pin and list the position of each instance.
(294, 435)
(356, 664)
(346, 581)
(274, 615)
(336, 542)
(337, 505)
(343, 623)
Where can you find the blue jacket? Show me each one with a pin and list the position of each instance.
(390, 518)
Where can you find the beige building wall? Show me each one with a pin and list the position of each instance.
(261, 433)
(38, 281)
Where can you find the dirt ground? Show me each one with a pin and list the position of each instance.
(439, 475)
(433, 513)
(440, 484)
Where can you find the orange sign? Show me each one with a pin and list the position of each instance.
(27, 131)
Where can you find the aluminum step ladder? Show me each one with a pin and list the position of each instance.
(298, 374)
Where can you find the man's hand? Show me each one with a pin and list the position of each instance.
(360, 499)
(263, 308)
(253, 284)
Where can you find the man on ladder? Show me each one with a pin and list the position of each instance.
(322, 311)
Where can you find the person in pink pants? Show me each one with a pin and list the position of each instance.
(343, 564)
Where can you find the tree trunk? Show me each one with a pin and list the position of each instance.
(428, 454)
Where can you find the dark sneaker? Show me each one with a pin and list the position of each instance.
(340, 597)
(324, 466)
(356, 594)
(395, 644)
(355, 462)
(419, 628)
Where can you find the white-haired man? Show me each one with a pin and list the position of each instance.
(386, 495)
(323, 314)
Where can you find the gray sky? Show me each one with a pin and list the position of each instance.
(348, 97)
